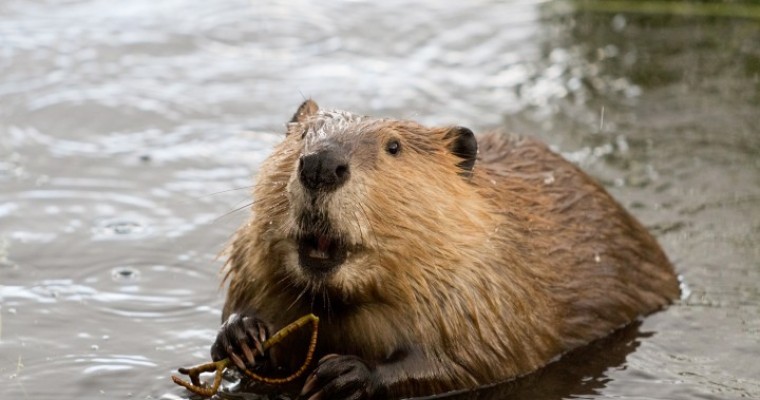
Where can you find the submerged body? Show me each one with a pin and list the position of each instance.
(435, 261)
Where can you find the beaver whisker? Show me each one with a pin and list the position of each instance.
(314, 222)
(233, 211)
(224, 191)
(359, 227)
(300, 295)
(366, 216)
(326, 301)
(311, 285)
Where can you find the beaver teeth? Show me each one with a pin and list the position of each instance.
(319, 253)
(314, 253)
(322, 249)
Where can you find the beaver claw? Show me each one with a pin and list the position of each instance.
(241, 338)
(339, 377)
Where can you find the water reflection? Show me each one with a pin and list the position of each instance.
(582, 372)
(117, 123)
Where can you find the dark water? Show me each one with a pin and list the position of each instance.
(118, 120)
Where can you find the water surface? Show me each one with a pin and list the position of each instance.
(124, 127)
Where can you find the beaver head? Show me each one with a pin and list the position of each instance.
(347, 203)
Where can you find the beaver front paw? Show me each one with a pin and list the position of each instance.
(241, 338)
(340, 378)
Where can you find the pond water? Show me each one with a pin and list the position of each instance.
(129, 133)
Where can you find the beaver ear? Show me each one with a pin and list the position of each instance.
(305, 110)
(463, 145)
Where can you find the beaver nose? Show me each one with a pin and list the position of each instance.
(324, 170)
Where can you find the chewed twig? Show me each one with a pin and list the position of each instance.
(194, 373)
(195, 384)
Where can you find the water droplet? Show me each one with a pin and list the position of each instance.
(125, 274)
(124, 227)
(619, 22)
(113, 228)
(622, 144)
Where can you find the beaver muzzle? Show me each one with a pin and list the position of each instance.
(321, 254)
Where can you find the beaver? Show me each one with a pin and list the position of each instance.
(436, 260)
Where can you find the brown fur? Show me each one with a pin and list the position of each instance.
(460, 280)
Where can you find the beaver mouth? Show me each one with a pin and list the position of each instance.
(321, 254)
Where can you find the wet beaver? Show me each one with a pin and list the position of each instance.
(435, 261)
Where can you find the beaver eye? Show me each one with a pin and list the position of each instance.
(393, 147)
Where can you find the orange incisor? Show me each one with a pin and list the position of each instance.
(197, 387)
